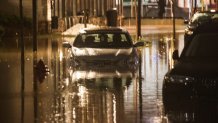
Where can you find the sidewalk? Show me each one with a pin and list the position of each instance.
(154, 29)
(74, 30)
(145, 29)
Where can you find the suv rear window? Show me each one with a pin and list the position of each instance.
(203, 46)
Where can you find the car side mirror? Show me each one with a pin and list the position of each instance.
(139, 44)
(66, 44)
(176, 55)
(186, 21)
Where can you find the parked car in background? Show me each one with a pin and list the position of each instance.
(105, 46)
(199, 18)
(195, 73)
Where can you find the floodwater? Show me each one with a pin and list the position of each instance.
(67, 95)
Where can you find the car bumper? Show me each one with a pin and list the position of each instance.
(191, 90)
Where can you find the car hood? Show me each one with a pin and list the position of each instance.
(101, 52)
(196, 68)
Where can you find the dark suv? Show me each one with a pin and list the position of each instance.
(195, 73)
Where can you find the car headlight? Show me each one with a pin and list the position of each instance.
(188, 32)
(178, 79)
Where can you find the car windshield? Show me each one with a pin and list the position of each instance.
(203, 46)
(103, 40)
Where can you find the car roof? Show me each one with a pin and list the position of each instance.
(198, 14)
(202, 13)
(207, 11)
(103, 30)
(201, 17)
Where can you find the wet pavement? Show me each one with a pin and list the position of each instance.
(67, 95)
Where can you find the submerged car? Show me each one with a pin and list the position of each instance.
(195, 73)
(199, 18)
(105, 46)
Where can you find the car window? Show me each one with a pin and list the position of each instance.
(103, 40)
(203, 46)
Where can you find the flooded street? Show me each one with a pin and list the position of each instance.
(68, 95)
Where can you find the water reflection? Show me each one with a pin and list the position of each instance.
(181, 110)
(82, 95)
(98, 96)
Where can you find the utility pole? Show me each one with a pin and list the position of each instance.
(22, 47)
(174, 24)
(22, 60)
(34, 25)
(195, 6)
(54, 7)
(139, 20)
(34, 31)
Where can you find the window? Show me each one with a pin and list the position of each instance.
(103, 40)
(203, 46)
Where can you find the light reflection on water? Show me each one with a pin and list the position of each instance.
(85, 96)
(101, 98)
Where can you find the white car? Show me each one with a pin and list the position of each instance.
(105, 47)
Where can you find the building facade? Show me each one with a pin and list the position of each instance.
(67, 11)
